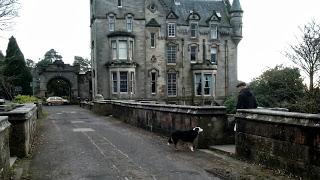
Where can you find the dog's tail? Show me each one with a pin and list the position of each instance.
(170, 141)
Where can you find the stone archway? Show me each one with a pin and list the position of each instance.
(57, 79)
(59, 86)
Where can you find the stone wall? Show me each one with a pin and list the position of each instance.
(285, 140)
(164, 119)
(23, 128)
(4, 148)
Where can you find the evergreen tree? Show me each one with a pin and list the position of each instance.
(49, 57)
(15, 69)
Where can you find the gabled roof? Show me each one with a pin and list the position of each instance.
(203, 7)
(153, 23)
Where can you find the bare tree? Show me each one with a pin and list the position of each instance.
(8, 11)
(306, 53)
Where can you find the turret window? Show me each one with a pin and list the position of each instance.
(119, 3)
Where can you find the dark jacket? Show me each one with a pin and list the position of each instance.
(246, 100)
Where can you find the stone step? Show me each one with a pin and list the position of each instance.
(228, 149)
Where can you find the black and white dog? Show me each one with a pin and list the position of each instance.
(185, 136)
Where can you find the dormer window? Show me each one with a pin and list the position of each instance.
(171, 28)
(213, 31)
(194, 30)
(111, 19)
(129, 23)
(119, 3)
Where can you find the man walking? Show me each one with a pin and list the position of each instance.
(246, 100)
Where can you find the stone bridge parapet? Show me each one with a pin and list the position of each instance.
(285, 140)
(166, 118)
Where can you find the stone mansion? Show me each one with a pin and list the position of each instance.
(176, 51)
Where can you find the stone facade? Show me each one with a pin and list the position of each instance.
(177, 51)
(285, 140)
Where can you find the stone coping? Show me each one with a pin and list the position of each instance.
(293, 118)
(25, 111)
(4, 123)
(169, 107)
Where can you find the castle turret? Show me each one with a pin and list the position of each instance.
(236, 21)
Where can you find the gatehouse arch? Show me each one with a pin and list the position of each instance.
(59, 79)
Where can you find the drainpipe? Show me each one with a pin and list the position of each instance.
(182, 69)
(226, 68)
(204, 50)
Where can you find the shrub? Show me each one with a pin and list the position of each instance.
(230, 104)
(21, 99)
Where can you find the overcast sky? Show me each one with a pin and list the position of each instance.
(268, 27)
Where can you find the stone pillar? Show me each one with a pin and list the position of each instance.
(23, 128)
(4, 148)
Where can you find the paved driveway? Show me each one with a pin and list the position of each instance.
(76, 144)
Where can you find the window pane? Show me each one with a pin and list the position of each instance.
(172, 84)
(152, 39)
(198, 84)
(119, 2)
(114, 49)
(153, 82)
(131, 50)
(213, 53)
(194, 30)
(114, 82)
(171, 30)
(193, 53)
(111, 23)
(207, 84)
(129, 24)
(171, 54)
(122, 49)
(132, 82)
(123, 81)
(213, 31)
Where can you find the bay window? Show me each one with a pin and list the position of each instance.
(122, 81)
(204, 83)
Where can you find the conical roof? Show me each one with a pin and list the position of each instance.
(236, 6)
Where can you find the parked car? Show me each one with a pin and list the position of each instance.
(55, 100)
